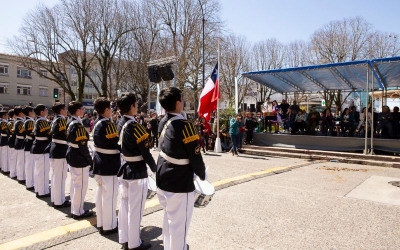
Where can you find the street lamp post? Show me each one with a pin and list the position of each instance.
(203, 21)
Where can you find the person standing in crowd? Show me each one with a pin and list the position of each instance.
(312, 121)
(106, 163)
(205, 130)
(58, 150)
(79, 160)
(154, 130)
(29, 126)
(40, 150)
(4, 143)
(135, 145)
(234, 133)
(86, 122)
(180, 158)
(19, 131)
(293, 111)
(12, 154)
(284, 114)
(347, 122)
(327, 121)
(249, 123)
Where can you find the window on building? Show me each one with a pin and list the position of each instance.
(3, 69)
(43, 73)
(3, 88)
(42, 91)
(24, 90)
(23, 73)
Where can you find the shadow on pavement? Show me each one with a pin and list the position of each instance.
(148, 234)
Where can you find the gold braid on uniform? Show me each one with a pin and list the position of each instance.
(43, 126)
(62, 125)
(21, 128)
(111, 131)
(30, 126)
(11, 127)
(189, 133)
(3, 126)
(81, 134)
(140, 133)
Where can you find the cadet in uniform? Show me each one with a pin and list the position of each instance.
(135, 146)
(79, 160)
(12, 157)
(29, 126)
(106, 163)
(19, 131)
(4, 143)
(180, 158)
(40, 150)
(58, 150)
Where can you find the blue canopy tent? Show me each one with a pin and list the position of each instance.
(356, 75)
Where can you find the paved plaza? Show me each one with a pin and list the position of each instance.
(260, 203)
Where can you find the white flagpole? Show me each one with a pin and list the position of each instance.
(217, 146)
(236, 96)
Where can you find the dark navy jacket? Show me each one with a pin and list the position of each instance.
(11, 134)
(181, 141)
(3, 133)
(58, 132)
(29, 126)
(77, 135)
(42, 137)
(19, 131)
(105, 136)
(135, 141)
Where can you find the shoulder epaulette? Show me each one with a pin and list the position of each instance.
(189, 133)
(140, 133)
(111, 130)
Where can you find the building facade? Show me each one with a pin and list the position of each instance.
(21, 86)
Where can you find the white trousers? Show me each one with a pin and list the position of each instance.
(29, 169)
(133, 199)
(12, 162)
(79, 187)
(178, 211)
(41, 173)
(20, 164)
(4, 158)
(106, 201)
(59, 169)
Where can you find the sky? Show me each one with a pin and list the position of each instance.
(257, 20)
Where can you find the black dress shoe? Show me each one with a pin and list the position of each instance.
(86, 214)
(42, 196)
(6, 173)
(65, 204)
(31, 188)
(142, 246)
(14, 178)
(108, 232)
(21, 181)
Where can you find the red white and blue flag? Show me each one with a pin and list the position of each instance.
(209, 95)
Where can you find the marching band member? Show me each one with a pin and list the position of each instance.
(40, 150)
(58, 150)
(12, 157)
(4, 143)
(180, 158)
(135, 147)
(19, 131)
(106, 163)
(29, 126)
(79, 160)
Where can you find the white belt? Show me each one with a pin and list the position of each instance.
(73, 145)
(133, 158)
(106, 151)
(173, 160)
(20, 137)
(5, 135)
(28, 137)
(42, 138)
(59, 141)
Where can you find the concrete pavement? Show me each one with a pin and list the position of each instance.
(305, 208)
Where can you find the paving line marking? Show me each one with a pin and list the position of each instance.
(79, 225)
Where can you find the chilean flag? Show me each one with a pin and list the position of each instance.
(209, 96)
